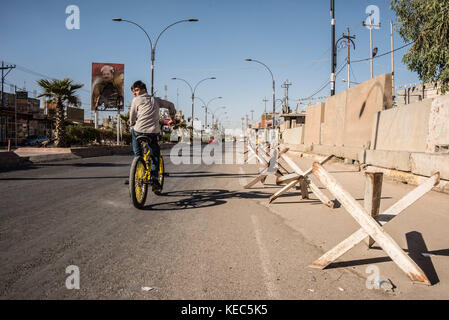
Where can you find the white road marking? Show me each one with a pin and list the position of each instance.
(269, 278)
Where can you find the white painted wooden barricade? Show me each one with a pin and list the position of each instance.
(265, 159)
(372, 226)
(300, 177)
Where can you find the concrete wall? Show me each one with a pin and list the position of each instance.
(314, 119)
(403, 128)
(438, 134)
(348, 115)
(294, 135)
(334, 120)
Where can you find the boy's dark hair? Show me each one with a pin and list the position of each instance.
(139, 84)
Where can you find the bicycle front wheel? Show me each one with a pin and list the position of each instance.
(138, 187)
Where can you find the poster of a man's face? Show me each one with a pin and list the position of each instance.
(107, 85)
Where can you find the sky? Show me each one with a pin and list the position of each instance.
(292, 37)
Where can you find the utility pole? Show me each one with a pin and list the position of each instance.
(392, 58)
(285, 86)
(246, 116)
(371, 26)
(252, 117)
(165, 89)
(334, 53)
(349, 38)
(3, 68)
(265, 112)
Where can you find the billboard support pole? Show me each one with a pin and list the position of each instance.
(96, 119)
(15, 112)
(118, 126)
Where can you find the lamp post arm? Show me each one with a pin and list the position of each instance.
(185, 82)
(155, 44)
(149, 39)
(212, 100)
(272, 77)
(204, 103)
(199, 83)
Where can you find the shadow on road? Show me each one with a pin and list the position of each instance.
(63, 178)
(196, 199)
(416, 248)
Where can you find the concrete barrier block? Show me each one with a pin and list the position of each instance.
(10, 160)
(298, 147)
(323, 150)
(399, 160)
(343, 152)
(426, 164)
(350, 153)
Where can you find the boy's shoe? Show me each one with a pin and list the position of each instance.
(156, 187)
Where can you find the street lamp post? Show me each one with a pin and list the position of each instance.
(153, 47)
(213, 113)
(206, 105)
(220, 115)
(274, 86)
(193, 90)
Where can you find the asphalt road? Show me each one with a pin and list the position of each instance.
(204, 238)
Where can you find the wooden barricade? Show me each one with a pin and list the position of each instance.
(369, 220)
(300, 177)
(265, 159)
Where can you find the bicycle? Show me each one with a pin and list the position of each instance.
(140, 174)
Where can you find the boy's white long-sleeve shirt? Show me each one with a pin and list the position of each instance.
(144, 113)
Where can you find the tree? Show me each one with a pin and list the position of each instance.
(124, 121)
(426, 23)
(60, 92)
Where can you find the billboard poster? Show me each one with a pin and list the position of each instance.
(107, 86)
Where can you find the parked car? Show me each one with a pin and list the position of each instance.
(36, 140)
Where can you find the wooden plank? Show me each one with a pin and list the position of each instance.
(260, 178)
(289, 178)
(339, 250)
(320, 195)
(283, 190)
(371, 227)
(250, 147)
(411, 197)
(373, 192)
(361, 234)
(304, 189)
(294, 182)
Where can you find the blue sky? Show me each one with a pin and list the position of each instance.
(292, 37)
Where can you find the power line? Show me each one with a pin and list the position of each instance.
(41, 75)
(325, 85)
(383, 54)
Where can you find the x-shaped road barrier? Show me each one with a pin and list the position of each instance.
(370, 227)
(301, 177)
(265, 159)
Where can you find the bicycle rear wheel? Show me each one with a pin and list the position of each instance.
(138, 188)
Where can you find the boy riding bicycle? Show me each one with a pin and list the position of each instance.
(144, 121)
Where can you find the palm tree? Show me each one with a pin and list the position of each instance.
(124, 122)
(60, 92)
